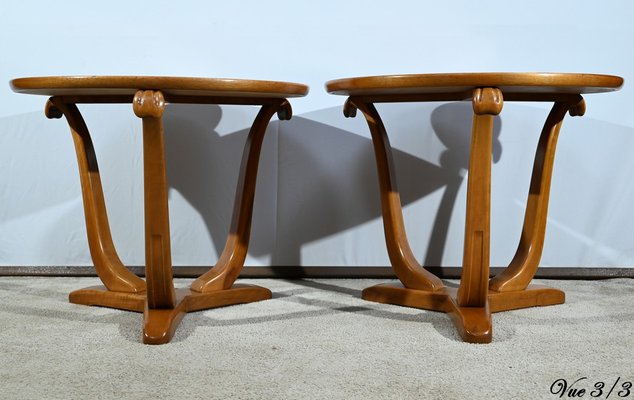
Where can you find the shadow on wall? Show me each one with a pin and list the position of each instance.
(328, 180)
(203, 166)
(326, 177)
(452, 125)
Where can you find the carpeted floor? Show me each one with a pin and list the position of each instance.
(316, 339)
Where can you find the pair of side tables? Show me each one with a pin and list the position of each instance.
(470, 306)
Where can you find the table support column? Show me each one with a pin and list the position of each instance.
(487, 103)
(471, 312)
(149, 105)
(468, 306)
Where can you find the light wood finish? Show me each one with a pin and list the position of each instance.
(487, 103)
(227, 269)
(160, 323)
(169, 86)
(471, 304)
(150, 105)
(108, 266)
(526, 260)
(473, 323)
(163, 305)
(404, 263)
(507, 82)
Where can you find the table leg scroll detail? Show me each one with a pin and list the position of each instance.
(226, 271)
(404, 263)
(114, 275)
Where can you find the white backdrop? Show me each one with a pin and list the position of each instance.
(317, 198)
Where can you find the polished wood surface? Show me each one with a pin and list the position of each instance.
(163, 305)
(507, 82)
(473, 323)
(526, 260)
(471, 304)
(168, 86)
(149, 105)
(104, 256)
(226, 270)
(487, 103)
(404, 263)
(159, 324)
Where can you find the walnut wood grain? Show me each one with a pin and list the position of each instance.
(470, 305)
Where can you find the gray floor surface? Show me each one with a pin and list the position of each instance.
(316, 339)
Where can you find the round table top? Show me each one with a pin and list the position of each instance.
(514, 82)
(128, 85)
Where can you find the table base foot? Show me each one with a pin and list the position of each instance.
(102, 297)
(532, 296)
(159, 325)
(473, 323)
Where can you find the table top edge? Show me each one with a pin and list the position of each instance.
(229, 86)
(380, 83)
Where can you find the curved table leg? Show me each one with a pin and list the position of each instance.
(510, 289)
(420, 289)
(117, 279)
(404, 263)
(225, 272)
(471, 305)
(165, 306)
(468, 306)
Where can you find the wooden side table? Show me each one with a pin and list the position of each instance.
(471, 305)
(163, 305)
